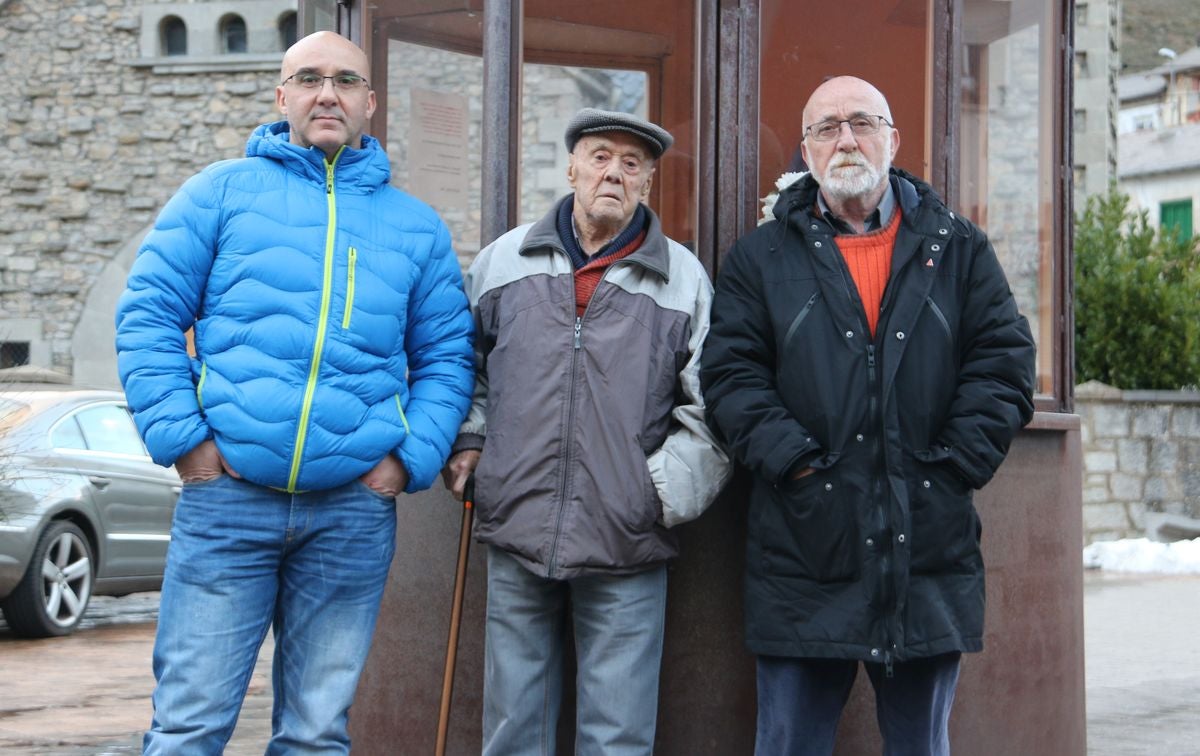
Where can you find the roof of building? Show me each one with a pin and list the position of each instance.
(1140, 86)
(1141, 153)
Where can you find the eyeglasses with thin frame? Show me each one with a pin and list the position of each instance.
(861, 124)
(342, 82)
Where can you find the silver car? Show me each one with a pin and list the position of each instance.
(83, 509)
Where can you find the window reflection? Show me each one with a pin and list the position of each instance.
(1006, 164)
(434, 118)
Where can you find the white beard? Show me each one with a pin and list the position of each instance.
(839, 183)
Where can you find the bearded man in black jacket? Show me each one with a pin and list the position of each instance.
(868, 365)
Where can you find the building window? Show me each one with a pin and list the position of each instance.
(1177, 216)
(233, 34)
(14, 353)
(173, 36)
(1081, 14)
(1080, 120)
(1081, 65)
(287, 30)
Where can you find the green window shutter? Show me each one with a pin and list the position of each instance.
(1177, 215)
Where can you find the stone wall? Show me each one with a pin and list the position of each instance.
(95, 144)
(1141, 454)
(100, 130)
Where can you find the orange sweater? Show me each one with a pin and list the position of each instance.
(869, 258)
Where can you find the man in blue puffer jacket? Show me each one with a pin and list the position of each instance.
(332, 368)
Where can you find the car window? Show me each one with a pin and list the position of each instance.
(67, 435)
(109, 428)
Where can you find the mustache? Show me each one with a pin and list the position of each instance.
(848, 159)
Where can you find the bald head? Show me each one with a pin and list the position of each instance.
(323, 44)
(843, 96)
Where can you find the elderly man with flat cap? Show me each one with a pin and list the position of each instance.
(588, 443)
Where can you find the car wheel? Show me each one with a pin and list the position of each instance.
(53, 594)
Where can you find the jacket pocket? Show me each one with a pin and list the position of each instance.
(651, 510)
(809, 528)
(351, 264)
(946, 530)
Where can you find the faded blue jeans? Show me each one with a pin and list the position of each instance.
(244, 558)
(618, 622)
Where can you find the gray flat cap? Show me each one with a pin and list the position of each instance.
(593, 121)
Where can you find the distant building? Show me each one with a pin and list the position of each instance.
(1097, 64)
(1159, 141)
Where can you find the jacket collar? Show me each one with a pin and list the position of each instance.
(653, 255)
(923, 209)
(364, 169)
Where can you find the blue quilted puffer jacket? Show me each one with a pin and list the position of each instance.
(330, 322)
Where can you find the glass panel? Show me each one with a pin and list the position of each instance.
(109, 428)
(67, 435)
(233, 34)
(174, 36)
(1007, 129)
(796, 57)
(287, 31)
(627, 55)
(434, 123)
(551, 95)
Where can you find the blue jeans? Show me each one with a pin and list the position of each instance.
(800, 702)
(244, 558)
(618, 622)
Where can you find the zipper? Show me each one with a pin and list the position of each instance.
(200, 385)
(403, 418)
(791, 331)
(886, 557)
(577, 345)
(566, 451)
(940, 318)
(314, 368)
(352, 260)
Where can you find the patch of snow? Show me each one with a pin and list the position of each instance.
(1144, 555)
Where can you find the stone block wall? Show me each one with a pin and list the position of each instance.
(95, 143)
(1141, 453)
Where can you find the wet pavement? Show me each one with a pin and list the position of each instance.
(89, 693)
(1143, 664)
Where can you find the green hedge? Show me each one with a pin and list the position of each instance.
(1137, 299)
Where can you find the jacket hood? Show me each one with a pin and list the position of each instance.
(364, 169)
(914, 196)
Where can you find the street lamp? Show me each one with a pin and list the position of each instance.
(1169, 54)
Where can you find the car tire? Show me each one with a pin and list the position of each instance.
(54, 593)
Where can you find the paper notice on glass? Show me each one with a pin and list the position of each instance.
(437, 149)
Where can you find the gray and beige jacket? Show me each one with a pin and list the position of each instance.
(591, 428)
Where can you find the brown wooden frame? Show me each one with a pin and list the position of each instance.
(728, 106)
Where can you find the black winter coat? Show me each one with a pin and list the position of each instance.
(876, 555)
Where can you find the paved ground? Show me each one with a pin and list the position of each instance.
(1143, 664)
(89, 693)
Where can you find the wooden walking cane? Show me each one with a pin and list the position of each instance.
(460, 579)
